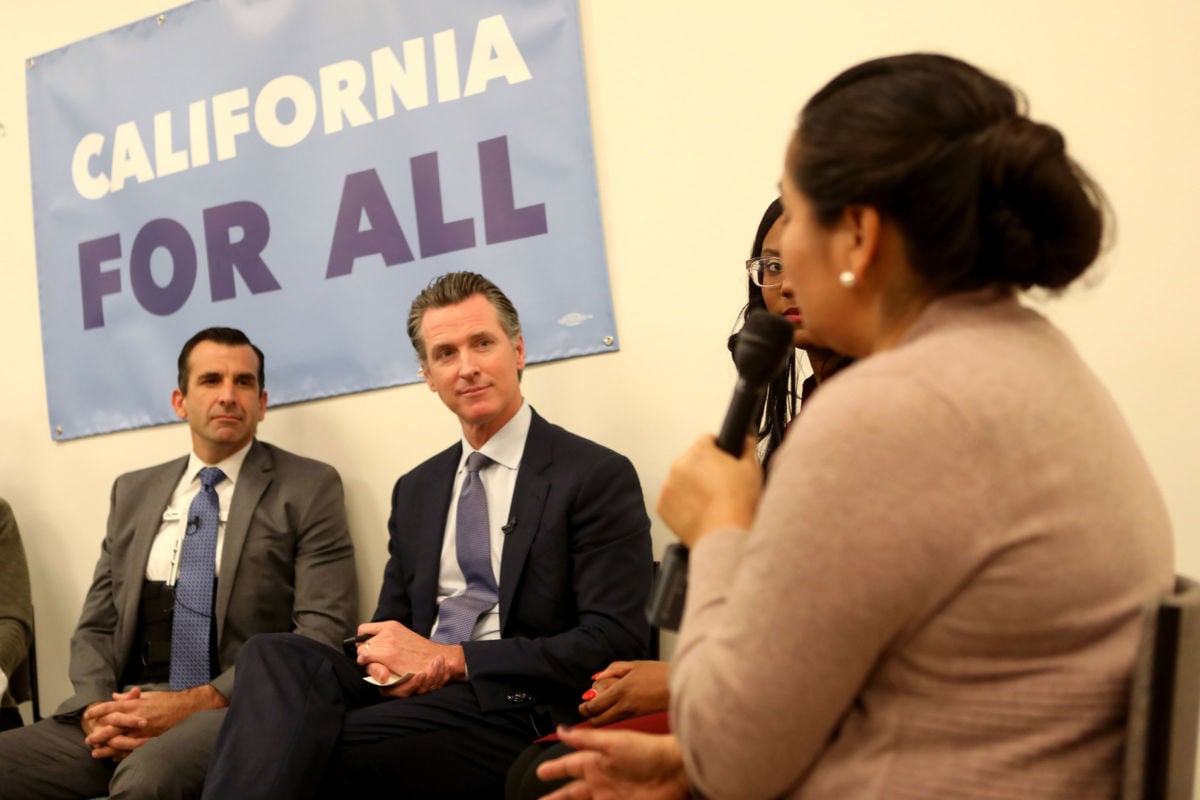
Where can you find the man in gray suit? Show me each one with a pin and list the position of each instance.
(138, 725)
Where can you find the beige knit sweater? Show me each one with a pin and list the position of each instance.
(941, 594)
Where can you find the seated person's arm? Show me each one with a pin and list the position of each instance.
(93, 665)
(610, 567)
(325, 593)
(16, 612)
(626, 689)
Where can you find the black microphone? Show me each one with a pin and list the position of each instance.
(760, 353)
(193, 524)
(508, 526)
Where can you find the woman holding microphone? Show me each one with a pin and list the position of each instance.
(634, 694)
(939, 591)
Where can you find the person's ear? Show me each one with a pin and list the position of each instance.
(177, 398)
(860, 227)
(519, 346)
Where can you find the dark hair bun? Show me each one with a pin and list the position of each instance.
(983, 195)
(1040, 221)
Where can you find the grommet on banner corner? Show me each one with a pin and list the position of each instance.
(29, 64)
(608, 341)
(162, 18)
(58, 430)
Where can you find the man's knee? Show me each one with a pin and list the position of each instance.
(266, 645)
(275, 648)
(142, 775)
(172, 765)
(49, 759)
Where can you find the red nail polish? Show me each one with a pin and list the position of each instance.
(589, 694)
(596, 676)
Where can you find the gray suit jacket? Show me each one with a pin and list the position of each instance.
(287, 564)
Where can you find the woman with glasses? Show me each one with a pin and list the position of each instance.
(770, 291)
(939, 592)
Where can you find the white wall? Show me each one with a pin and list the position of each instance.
(691, 105)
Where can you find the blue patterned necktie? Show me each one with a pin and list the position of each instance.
(458, 614)
(194, 588)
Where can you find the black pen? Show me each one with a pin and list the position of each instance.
(349, 644)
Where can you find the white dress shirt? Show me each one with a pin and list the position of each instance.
(505, 449)
(163, 564)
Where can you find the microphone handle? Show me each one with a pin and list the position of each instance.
(764, 338)
(740, 416)
(669, 592)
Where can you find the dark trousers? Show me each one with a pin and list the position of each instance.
(10, 718)
(523, 783)
(303, 724)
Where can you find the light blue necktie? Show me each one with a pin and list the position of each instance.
(458, 614)
(194, 588)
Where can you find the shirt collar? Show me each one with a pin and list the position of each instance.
(231, 466)
(506, 445)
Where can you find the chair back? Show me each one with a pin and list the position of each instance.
(1160, 748)
(655, 633)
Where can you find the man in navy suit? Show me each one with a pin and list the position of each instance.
(566, 554)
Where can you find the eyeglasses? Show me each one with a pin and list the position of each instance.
(765, 272)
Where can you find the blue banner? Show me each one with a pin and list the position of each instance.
(301, 169)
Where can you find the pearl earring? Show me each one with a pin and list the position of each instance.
(847, 278)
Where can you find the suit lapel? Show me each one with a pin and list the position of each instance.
(430, 505)
(529, 499)
(253, 480)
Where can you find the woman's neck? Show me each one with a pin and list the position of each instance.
(818, 359)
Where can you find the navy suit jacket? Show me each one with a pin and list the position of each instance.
(574, 578)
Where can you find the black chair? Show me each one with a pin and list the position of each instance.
(655, 637)
(1160, 749)
(24, 682)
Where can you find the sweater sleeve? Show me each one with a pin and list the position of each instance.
(16, 609)
(853, 545)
